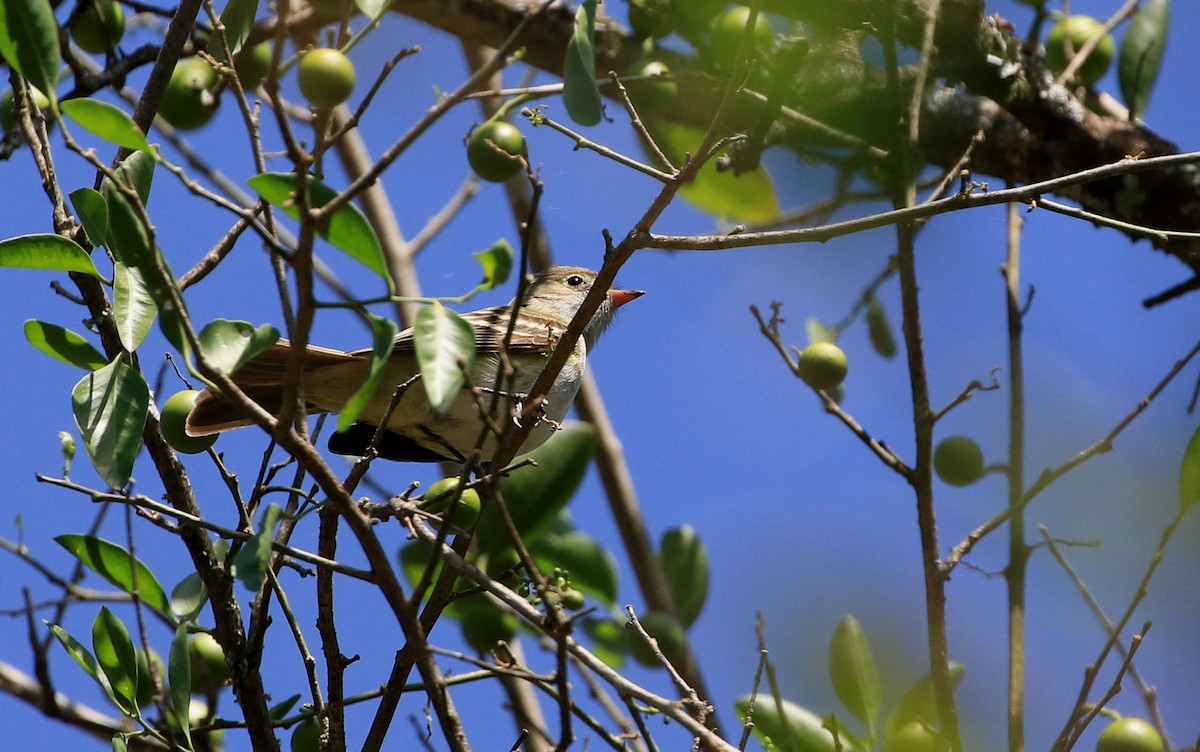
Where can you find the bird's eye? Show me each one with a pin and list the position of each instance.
(574, 280)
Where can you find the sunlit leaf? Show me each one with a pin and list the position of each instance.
(852, 669)
(497, 263)
(255, 556)
(133, 306)
(115, 654)
(128, 238)
(238, 18)
(818, 332)
(1141, 54)
(113, 563)
(384, 333)
(63, 344)
(445, 346)
(228, 345)
(29, 42)
(918, 703)
(105, 121)
(347, 230)
(684, 559)
(81, 654)
(93, 214)
(592, 567)
(535, 495)
(188, 597)
(788, 726)
(179, 678)
(749, 197)
(137, 172)
(46, 251)
(110, 407)
(581, 96)
(1189, 474)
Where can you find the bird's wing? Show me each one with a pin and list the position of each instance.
(532, 333)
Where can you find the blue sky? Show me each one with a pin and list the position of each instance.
(802, 523)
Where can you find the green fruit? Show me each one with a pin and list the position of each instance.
(727, 32)
(1079, 29)
(495, 150)
(649, 19)
(912, 737)
(822, 365)
(8, 108)
(98, 26)
(1129, 735)
(306, 737)
(651, 97)
(326, 77)
(669, 633)
(958, 461)
(251, 64)
(210, 672)
(187, 102)
(466, 508)
(173, 423)
(573, 599)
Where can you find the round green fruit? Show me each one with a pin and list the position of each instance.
(466, 509)
(98, 26)
(8, 108)
(958, 461)
(326, 77)
(1079, 29)
(822, 365)
(252, 64)
(174, 424)
(912, 737)
(651, 97)
(306, 737)
(495, 150)
(669, 633)
(1129, 735)
(187, 103)
(210, 672)
(725, 37)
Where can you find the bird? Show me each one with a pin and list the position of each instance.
(415, 431)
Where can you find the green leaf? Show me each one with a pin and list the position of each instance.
(128, 238)
(786, 725)
(106, 121)
(188, 597)
(535, 494)
(818, 332)
(252, 560)
(228, 345)
(110, 406)
(134, 307)
(137, 172)
(610, 640)
(749, 197)
(120, 742)
(592, 567)
(918, 703)
(497, 263)
(347, 230)
(114, 563)
(93, 214)
(581, 96)
(238, 18)
(29, 43)
(63, 344)
(445, 347)
(384, 335)
(82, 656)
(280, 711)
(1189, 474)
(852, 669)
(46, 251)
(1141, 54)
(684, 559)
(116, 657)
(879, 329)
(179, 679)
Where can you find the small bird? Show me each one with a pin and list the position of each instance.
(415, 432)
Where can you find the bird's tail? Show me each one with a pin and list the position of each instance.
(262, 379)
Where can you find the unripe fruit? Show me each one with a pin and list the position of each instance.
(1079, 29)
(210, 672)
(306, 737)
(98, 26)
(187, 104)
(822, 365)
(912, 737)
(251, 64)
(651, 97)
(326, 77)
(727, 33)
(8, 107)
(494, 150)
(1129, 735)
(958, 461)
(173, 424)
(466, 508)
